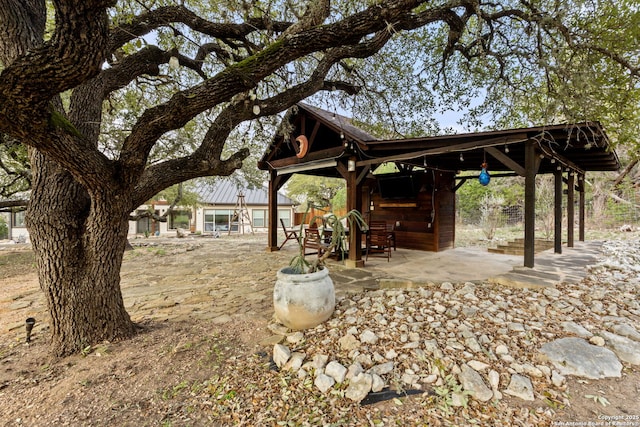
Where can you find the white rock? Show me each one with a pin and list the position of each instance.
(520, 387)
(414, 336)
(382, 369)
(354, 369)
(502, 349)
(410, 345)
(391, 354)
(295, 361)
(336, 371)
(439, 308)
(364, 359)
(626, 331)
(468, 288)
(507, 358)
(625, 348)
(516, 327)
(546, 371)
(409, 379)
(532, 371)
(368, 337)
(302, 374)
(477, 365)
(574, 356)
(324, 382)
(430, 379)
(551, 292)
(281, 355)
(494, 379)
(348, 342)
(597, 340)
(473, 345)
(319, 361)
(446, 286)
(472, 381)
(359, 387)
(377, 383)
(295, 338)
(352, 330)
(557, 378)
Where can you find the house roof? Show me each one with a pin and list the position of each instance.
(225, 192)
(578, 146)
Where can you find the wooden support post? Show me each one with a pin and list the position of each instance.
(581, 208)
(272, 212)
(557, 212)
(354, 201)
(570, 208)
(531, 168)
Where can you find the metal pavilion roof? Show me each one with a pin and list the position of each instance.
(225, 192)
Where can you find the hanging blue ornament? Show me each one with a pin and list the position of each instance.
(484, 176)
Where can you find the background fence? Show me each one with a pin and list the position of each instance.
(502, 207)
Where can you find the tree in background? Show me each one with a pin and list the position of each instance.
(4, 228)
(118, 100)
(314, 190)
(490, 214)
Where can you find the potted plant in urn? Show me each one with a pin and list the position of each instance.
(304, 296)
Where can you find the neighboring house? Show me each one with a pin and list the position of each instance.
(17, 231)
(215, 212)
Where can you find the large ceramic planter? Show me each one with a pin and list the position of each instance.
(302, 301)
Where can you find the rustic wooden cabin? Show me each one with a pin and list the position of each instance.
(419, 200)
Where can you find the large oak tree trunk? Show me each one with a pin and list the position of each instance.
(78, 238)
(79, 244)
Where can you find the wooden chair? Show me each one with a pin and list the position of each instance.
(378, 239)
(391, 229)
(314, 240)
(289, 234)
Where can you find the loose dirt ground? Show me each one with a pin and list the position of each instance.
(190, 368)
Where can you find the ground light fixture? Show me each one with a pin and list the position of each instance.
(29, 327)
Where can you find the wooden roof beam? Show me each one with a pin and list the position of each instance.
(505, 160)
(549, 153)
(465, 146)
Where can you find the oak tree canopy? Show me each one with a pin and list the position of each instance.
(118, 100)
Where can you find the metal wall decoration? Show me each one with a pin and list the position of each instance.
(302, 146)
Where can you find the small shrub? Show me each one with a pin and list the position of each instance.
(490, 210)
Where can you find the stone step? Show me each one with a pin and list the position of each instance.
(506, 251)
(516, 280)
(516, 247)
(520, 240)
(547, 275)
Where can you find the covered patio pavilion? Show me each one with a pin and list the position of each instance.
(420, 200)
